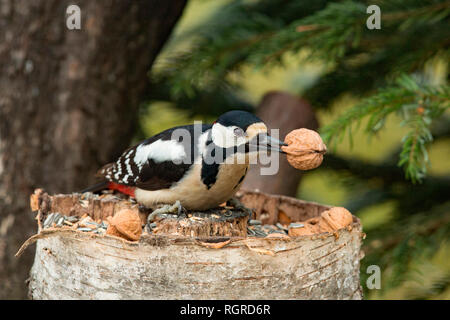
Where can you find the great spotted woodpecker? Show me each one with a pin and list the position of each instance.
(202, 166)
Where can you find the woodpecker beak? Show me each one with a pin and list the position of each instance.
(265, 142)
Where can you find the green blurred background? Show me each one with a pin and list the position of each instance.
(409, 244)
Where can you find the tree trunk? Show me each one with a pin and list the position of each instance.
(68, 102)
(72, 264)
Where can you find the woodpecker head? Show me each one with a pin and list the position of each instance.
(239, 128)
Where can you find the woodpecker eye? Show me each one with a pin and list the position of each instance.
(239, 132)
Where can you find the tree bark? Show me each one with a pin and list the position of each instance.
(68, 102)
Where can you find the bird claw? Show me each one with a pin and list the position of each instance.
(238, 205)
(175, 208)
(144, 209)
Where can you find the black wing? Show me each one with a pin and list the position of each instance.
(152, 175)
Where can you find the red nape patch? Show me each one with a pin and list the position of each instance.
(121, 188)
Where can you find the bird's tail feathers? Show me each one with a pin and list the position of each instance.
(97, 187)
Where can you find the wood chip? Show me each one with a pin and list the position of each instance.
(276, 235)
(34, 202)
(214, 245)
(283, 218)
(261, 250)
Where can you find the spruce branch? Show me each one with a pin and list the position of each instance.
(396, 244)
(255, 34)
(418, 104)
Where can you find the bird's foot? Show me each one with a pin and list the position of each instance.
(145, 209)
(175, 208)
(238, 205)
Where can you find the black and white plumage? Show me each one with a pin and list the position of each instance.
(176, 164)
(150, 164)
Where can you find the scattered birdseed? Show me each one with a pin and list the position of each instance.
(86, 224)
(52, 218)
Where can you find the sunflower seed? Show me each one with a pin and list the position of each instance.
(260, 233)
(87, 196)
(84, 203)
(52, 219)
(49, 220)
(250, 232)
(254, 222)
(59, 221)
(84, 229)
(92, 223)
(72, 219)
(280, 226)
(296, 225)
(277, 231)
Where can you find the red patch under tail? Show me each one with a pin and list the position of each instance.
(121, 188)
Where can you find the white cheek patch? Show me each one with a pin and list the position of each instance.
(160, 151)
(224, 137)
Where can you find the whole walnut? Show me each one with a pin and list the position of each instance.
(126, 224)
(305, 149)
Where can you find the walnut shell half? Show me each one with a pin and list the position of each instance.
(329, 221)
(305, 149)
(126, 224)
(337, 218)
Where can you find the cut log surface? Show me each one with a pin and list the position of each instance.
(211, 264)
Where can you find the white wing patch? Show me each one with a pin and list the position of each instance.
(201, 146)
(159, 151)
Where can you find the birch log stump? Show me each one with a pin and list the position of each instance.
(74, 265)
